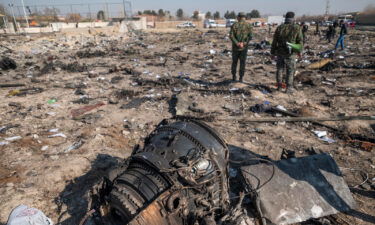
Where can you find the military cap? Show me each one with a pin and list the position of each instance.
(290, 15)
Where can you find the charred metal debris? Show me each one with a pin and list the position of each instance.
(184, 174)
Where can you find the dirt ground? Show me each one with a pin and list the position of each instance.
(88, 100)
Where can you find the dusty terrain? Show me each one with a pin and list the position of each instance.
(135, 80)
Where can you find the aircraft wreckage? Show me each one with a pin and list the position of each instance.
(184, 174)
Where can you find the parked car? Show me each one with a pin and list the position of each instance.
(327, 23)
(186, 25)
(257, 24)
(230, 22)
(219, 25)
(210, 23)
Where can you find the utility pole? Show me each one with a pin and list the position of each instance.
(14, 17)
(123, 3)
(328, 6)
(106, 9)
(24, 12)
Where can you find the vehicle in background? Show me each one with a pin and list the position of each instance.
(186, 25)
(257, 24)
(346, 18)
(327, 23)
(210, 23)
(219, 25)
(230, 22)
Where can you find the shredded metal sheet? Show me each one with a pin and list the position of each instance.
(300, 188)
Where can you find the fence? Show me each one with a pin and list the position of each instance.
(75, 12)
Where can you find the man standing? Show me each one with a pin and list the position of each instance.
(269, 29)
(330, 33)
(343, 32)
(286, 34)
(335, 25)
(317, 29)
(305, 28)
(241, 33)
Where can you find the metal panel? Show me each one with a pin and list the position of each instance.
(300, 188)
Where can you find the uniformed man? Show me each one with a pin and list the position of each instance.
(330, 33)
(289, 32)
(240, 34)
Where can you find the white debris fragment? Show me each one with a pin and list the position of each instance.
(281, 107)
(57, 135)
(24, 215)
(15, 138)
(55, 130)
(322, 135)
(76, 145)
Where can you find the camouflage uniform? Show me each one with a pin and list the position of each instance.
(291, 33)
(240, 32)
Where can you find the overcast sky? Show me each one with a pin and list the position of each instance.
(273, 7)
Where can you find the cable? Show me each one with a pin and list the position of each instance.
(259, 186)
(259, 159)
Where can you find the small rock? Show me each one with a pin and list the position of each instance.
(80, 92)
(112, 100)
(54, 157)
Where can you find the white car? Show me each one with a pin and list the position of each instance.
(210, 24)
(230, 22)
(257, 24)
(186, 25)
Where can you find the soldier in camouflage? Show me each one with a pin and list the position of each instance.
(286, 57)
(241, 33)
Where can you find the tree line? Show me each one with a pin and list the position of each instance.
(180, 14)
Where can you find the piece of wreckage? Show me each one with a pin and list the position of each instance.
(182, 176)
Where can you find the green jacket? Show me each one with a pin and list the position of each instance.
(241, 32)
(288, 32)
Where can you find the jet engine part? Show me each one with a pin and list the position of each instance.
(178, 177)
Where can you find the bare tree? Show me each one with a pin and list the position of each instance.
(74, 17)
(51, 14)
(195, 15)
